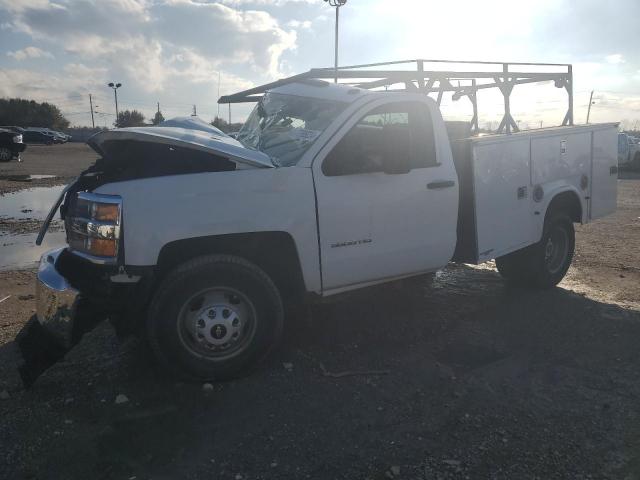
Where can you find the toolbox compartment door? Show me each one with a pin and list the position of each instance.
(502, 178)
(604, 172)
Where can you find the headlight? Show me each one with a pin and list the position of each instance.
(93, 226)
(17, 139)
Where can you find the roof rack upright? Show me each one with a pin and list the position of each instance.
(484, 75)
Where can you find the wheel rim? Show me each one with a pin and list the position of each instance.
(5, 154)
(556, 250)
(217, 323)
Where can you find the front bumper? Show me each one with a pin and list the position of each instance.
(56, 300)
(19, 148)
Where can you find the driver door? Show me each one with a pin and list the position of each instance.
(387, 205)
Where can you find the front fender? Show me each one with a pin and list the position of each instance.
(161, 210)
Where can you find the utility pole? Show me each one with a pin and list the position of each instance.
(195, 113)
(158, 107)
(590, 103)
(218, 115)
(229, 113)
(93, 123)
(337, 4)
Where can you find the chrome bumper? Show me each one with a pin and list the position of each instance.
(56, 300)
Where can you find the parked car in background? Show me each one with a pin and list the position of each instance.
(54, 135)
(12, 128)
(634, 153)
(37, 137)
(11, 145)
(58, 137)
(628, 151)
(623, 149)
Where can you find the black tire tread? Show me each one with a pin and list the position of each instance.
(182, 273)
(523, 268)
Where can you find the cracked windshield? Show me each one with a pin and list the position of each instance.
(285, 126)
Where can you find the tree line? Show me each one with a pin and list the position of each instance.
(29, 113)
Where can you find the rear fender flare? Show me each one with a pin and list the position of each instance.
(559, 193)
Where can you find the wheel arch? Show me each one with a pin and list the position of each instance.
(567, 200)
(275, 252)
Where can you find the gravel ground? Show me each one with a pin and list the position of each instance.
(455, 377)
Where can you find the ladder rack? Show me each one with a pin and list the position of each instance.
(430, 76)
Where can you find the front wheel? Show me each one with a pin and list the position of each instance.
(214, 317)
(544, 264)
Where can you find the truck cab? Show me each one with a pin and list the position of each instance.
(200, 241)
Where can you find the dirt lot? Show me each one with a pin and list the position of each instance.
(478, 381)
(62, 161)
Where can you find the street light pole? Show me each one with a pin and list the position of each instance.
(337, 4)
(115, 87)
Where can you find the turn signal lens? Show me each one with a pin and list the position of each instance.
(105, 212)
(101, 247)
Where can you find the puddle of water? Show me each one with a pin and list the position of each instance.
(41, 177)
(21, 251)
(30, 203)
(25, 178)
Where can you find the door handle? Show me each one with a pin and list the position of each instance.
(440, 184)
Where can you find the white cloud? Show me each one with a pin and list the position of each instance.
(22, 5)
(615, 58)
(108, 29)
(30, 52)
(250, 37)
(72, 81)
(299, 24)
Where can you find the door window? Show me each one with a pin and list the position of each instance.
(396, 137)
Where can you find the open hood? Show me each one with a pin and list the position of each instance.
(105, 143)
(191, 123)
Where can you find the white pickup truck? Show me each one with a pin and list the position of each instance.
(199, 241)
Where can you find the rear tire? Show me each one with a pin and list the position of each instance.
(214, 318)
(544, 264)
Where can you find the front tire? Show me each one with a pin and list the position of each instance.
(214, 318)
(544, 264)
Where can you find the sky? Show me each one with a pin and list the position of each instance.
(174, 51)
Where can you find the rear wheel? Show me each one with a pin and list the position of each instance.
(5, 154)
(544, 264)
(214, 317)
